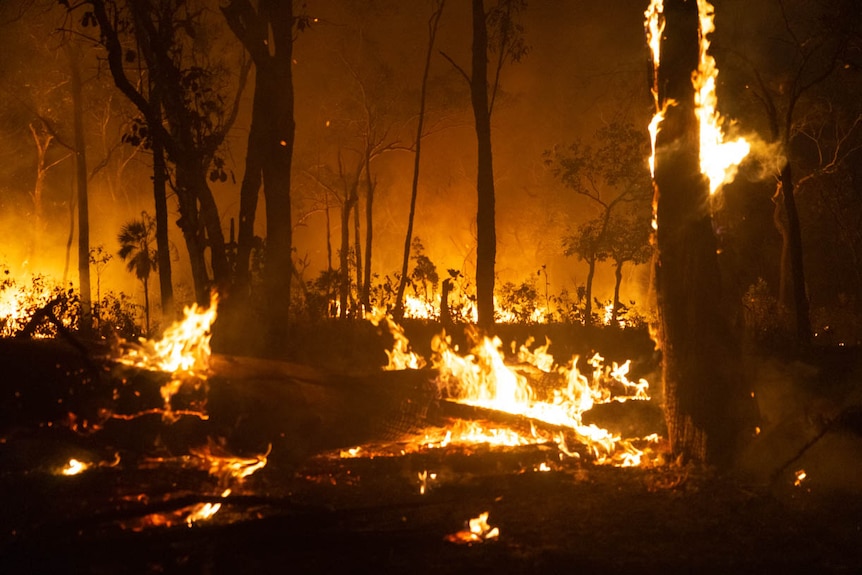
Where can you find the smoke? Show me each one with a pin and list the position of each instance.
(765, 160)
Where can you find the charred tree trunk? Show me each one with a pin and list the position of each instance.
(588, 292)
(486, 234)
(618, 280)
(433, 23)
(705, 398)
(160, 196)
(190, 225)
(357, 254)
(267, 34)
(344, 257)
(249, 192)
(369, 233)
(86, 319)
(793, 238)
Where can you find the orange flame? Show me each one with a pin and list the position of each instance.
(719, 156)
(183, 351)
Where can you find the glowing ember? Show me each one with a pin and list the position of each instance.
(800, 477)
(74, 467)
(226, 467)
(183, 351)
(476, 531)
(205, 511)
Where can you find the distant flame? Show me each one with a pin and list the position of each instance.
(476, 531)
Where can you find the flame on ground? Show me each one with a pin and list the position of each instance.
(477, 530)
(183, 351)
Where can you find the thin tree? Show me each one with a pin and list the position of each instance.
(136, 240)
(433, 25)
(496, 32)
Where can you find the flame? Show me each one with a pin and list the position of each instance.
(719, 156)
(204, 511)
(183, 351)
(476, 531)
(400, 356)
(483, 379)
(74, 467)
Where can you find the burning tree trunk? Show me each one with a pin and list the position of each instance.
(703, 385)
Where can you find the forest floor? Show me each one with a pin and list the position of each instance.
(312, 510)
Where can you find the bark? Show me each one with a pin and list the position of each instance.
(249, 191)
(486, 235)
(793, 237)
(86, 319)
(707, 408)
(588, 292)
(160, 197)
(618, 279)
(433, 23)
(357, 253)
(267, 34)
(369, 233)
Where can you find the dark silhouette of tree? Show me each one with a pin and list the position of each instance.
(136, 240)
(267, 32)
(188, 113)
(628, 239)
(708, 409)
(433, 24)
(590, 245)
(807, 47)
(495, 32)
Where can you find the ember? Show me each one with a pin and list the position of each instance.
(477, 530)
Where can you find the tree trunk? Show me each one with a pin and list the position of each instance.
(794, 247)
(357, 254)
(588, 293)
(189, 223)
(618, 279)
(369, 233)
(344, 258)
(250, 190)
(486, 235)
(160, 197)
(414, 189)
(707, 406)
(86, 319)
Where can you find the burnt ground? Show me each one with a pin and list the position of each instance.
(310, 510)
